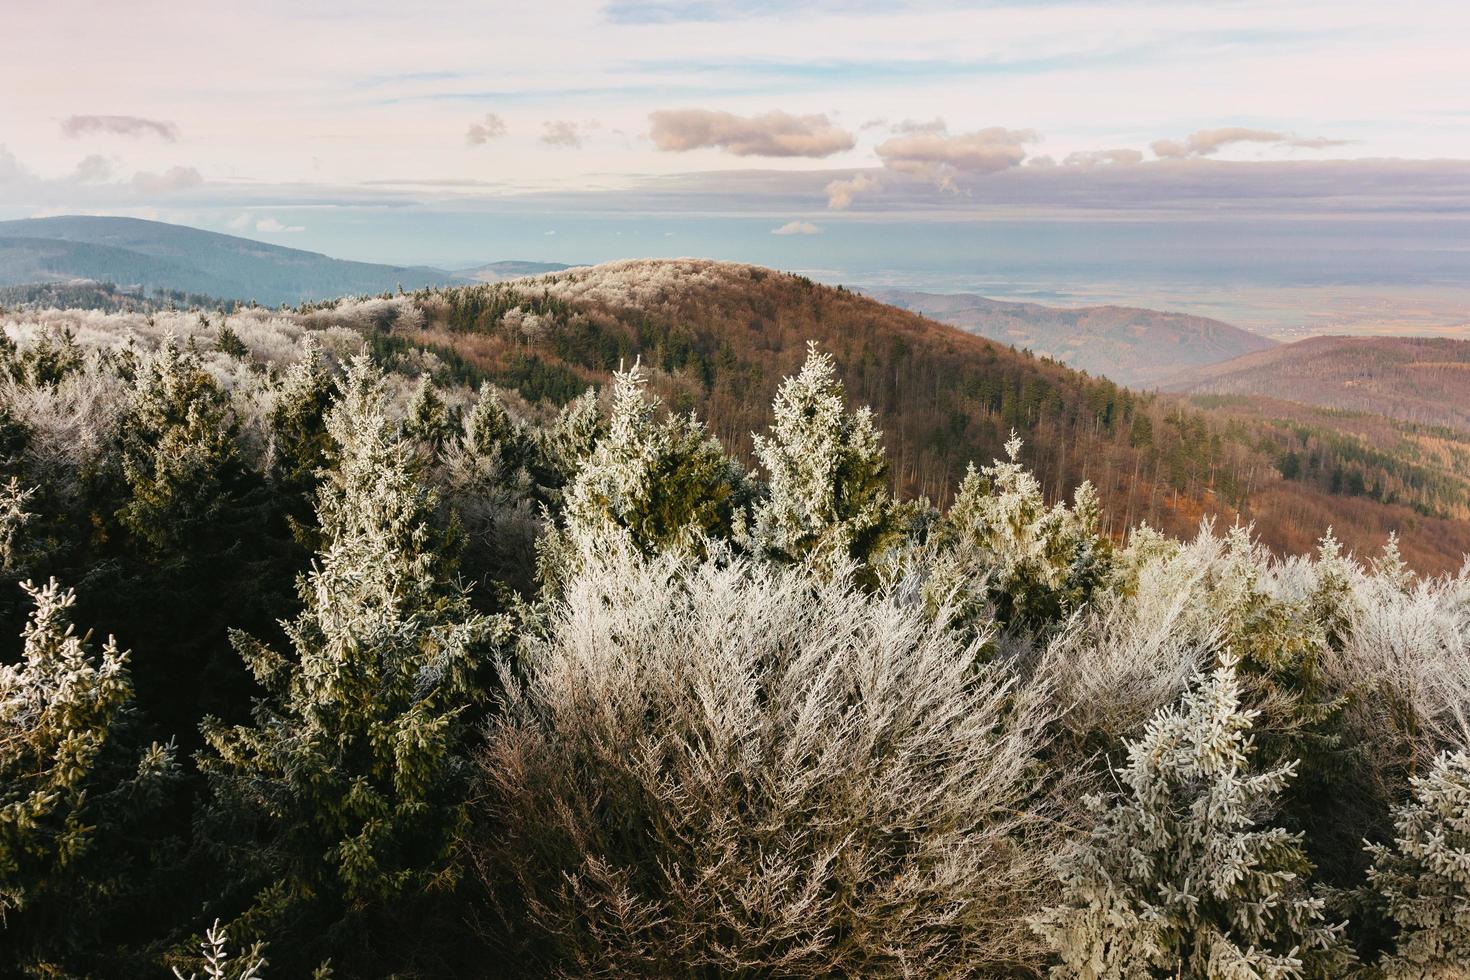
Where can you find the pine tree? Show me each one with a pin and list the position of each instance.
(1180, 876)
(429, 420)
(665, 483)
(296, 424)
(355, 768)
(826, 471)
(1423, 877)
(1005, 553)
(75, 790)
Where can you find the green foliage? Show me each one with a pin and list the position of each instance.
(1422, 878)
(826, 474)
(348, 791)
(76, 791)
(1180, 877)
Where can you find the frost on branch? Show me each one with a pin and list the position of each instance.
(1181, 875)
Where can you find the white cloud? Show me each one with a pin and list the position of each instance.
(271, 225)
(93, 169)
(842, 192)
(119, 126)
(797, 228)
(551, 232)
(487, 129)
(1207, 142)
(930, 151)
(771, 134)
(560, 132)
(172, 179)
(1101, 158)
(240, 221)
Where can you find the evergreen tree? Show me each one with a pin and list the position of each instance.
(76, 793)
(665, 483)
(429, 420)
(1180, 877)
(348, 792)
(297, 425)
(1423, 877)
(826, 471)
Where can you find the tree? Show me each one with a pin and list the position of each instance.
(348, 791)
(1181, 876)
(826, 471)
(76, 792)
(1422, 878)
(664, 483)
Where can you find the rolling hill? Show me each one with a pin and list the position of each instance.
(155, 255)
(719, 337)
(501, 271)
(1421, 380)
(1132, 346)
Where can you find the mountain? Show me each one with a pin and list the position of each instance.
(154, 255)
(718, 338)
(501, 271)
(1421, 380)
(1131, 346)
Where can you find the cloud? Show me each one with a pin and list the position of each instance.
(930, 151)
(274, 226)
(797, 228)
(771, 134)
(1101, 158)
(93, 169)
(240, 221)
(559, 132)
(913, 126)
(550, 233)
(489, 128)
(172, 179)
(119, 126)
(841, 192)
(1207, 142)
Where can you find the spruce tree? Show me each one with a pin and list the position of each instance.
(1182, 876)
(348, 791)
(76, 793)
(826, 471)
(1422, 879)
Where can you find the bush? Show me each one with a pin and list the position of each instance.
(728, 768)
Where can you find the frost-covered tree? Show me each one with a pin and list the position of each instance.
(1182, 875)
(1422, 879)
(826, 472)
(349, 789)
(733, 768)
(663, 482)
(1012, 558)
(75, 791)
(296, 426)
(428, 420)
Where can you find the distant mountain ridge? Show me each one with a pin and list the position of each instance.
(505, 271)
(156, 255)
(1423, 380)
(1130, 345)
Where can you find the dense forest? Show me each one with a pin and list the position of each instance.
(372, 639)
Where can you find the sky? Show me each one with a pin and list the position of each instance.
(1060, 149)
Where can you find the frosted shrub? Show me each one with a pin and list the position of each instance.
(725, 768)
(1423, 876)
(74, 793)
(827, 474)
(214, 951)
(1181, 876)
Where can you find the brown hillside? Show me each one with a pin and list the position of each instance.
(1132, 346)
(719, 338)
(1416, 379)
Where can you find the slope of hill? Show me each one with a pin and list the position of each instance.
(719, 337)
(1131, 346)
(1421, 380)
(511, 269)
(154, 255)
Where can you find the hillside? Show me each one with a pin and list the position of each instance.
(720, 337)
(1131, 346)
(511, 269)
(154, 255)
(1425, 381)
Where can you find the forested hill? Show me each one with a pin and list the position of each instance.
(1130, 345)
(720, 337)
(1423, 380)
(157, 255)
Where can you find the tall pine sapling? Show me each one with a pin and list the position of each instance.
(1182, 876)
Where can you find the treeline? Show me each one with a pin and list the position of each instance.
(414, 679)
